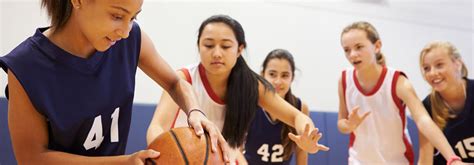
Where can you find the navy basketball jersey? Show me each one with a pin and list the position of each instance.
(459, 131)
(87, 102)
(263, 145)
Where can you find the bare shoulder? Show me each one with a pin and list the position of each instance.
(181, 74)
(404, 89)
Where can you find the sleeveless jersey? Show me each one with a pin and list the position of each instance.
(263, 145)
(87, 102)
(459, 131)
(211, 104)
(382, 138)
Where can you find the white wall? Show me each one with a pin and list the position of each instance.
(308, 29)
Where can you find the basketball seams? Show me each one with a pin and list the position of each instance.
(180, 147)
(207, 149)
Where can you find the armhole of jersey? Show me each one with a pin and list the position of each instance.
(300, 104)
(401, 107)
(344, 86)
(5, 68)
(189, 80)
(175, 117)
(187, 75)
(7, 93)
(395, 97)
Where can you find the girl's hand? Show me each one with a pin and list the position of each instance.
(308, 141)
(139, 158)
(198, 121)
(354, 120)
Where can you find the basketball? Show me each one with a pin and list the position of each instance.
(181, 146)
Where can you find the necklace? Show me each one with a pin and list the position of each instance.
(452, 112)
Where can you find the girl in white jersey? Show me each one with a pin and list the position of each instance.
(381, 94)
(230, 92)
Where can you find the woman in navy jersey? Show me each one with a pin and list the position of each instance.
(71, 85)
(450, 103)
(230, 92)
(267, 139)
(381, 94)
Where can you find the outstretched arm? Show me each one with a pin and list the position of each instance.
(157, 69)
(181, 91)
(426, 150)
(163, 118)
(423, 121)
(308, 135)
(302, 156)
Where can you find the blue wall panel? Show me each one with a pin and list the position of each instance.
(142, 114)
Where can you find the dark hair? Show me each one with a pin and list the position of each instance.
(372, 35)
(59, 12)
(242, 87)
(288, 145)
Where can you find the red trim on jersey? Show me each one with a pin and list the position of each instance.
(207, 86)
(344, 82)
(396, 99)
(352, 138)
(187, 75)
(344, 86)
(190, 81)
(410, 156)
(377, 86)
(409, 149)
(175, 117)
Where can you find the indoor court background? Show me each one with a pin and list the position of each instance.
(309, 29)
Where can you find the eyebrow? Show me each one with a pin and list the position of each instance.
(212, 39)
(125, 10)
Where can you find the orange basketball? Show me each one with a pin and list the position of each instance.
(181, 146)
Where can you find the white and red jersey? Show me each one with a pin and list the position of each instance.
(210, 103)
(382, 138)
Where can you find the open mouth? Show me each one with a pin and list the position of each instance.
(436, 81)
(112, 42)
(356, 62)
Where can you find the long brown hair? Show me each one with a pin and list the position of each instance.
(59, 11)
(242, 87)
(372, 35)
(288, 145)
(439, 110)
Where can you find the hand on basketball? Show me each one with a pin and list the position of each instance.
(354, 120)
(199, 121)
(141, 156)
(308, 141)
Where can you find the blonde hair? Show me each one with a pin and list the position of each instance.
(372, 35)
(439, 110)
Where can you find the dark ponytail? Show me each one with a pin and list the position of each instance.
(241, 102)
(242, 88)
(59, 12)
(288, 144)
